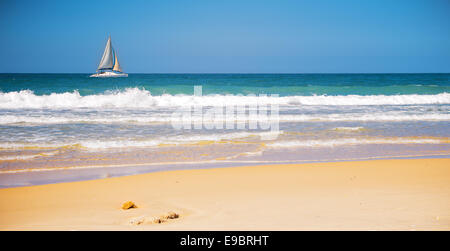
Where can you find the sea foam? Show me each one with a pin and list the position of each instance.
(126, 143)
(353, 141)
(159, 118)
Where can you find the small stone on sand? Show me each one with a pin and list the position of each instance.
(158, 220)
(137, 221)
(171, 215)
(129, 204)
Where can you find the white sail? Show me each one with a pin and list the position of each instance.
(107, 60)
(109, 66)
(116, 63)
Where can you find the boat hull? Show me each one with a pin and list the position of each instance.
(109, 75)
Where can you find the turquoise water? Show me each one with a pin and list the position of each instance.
(49, 121)
(282, 84)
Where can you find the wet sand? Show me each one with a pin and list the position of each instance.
(411, 194)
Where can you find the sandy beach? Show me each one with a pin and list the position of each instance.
(411, 194)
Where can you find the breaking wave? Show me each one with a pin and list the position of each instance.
(141, 98)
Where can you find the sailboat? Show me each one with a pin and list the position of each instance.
(109, 65)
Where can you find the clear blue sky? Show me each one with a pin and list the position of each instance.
(320, 36)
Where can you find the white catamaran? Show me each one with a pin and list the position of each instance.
(109, 65)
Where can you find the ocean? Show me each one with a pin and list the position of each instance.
(71, 121)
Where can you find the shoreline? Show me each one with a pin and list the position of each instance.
(44, 176)
(402, 194)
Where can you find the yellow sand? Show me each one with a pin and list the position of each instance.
(368, 195)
